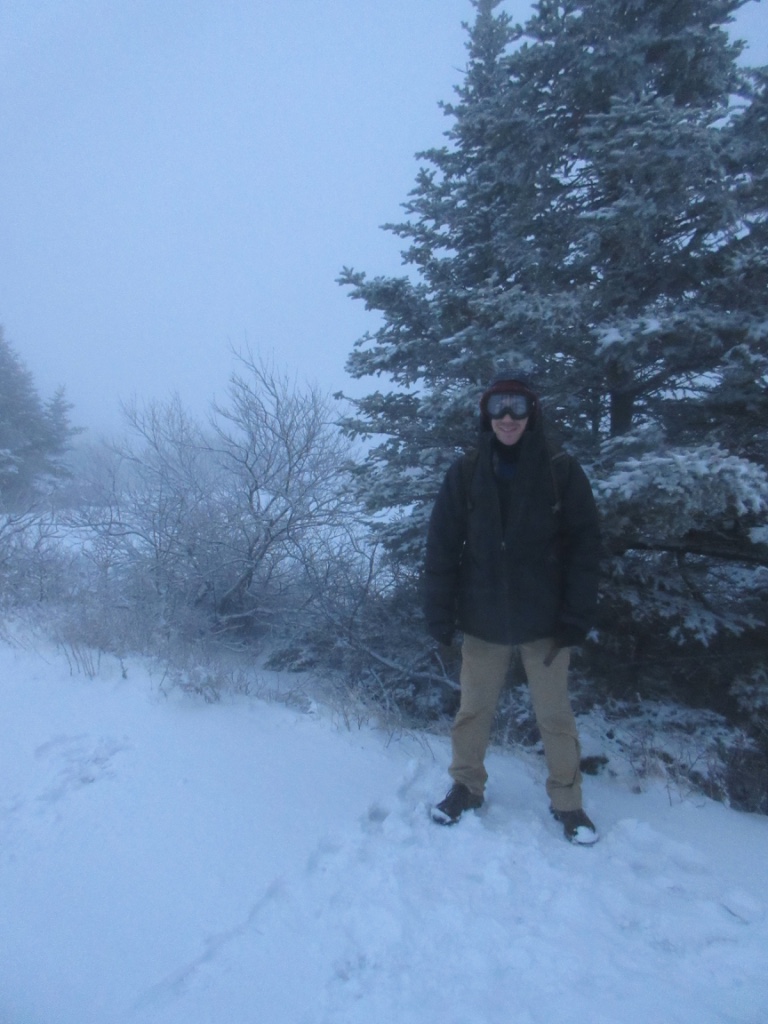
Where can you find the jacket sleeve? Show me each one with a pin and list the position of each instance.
(445, 544)
(580, 534)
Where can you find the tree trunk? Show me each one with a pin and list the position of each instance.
(622, 408)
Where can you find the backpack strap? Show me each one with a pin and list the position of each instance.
(559, 458)
(559, 468)
(469, 462)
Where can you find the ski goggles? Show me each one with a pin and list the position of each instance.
(516, 404)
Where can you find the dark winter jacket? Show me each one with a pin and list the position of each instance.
(535, 576)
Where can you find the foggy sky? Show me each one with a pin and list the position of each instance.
(184, 177)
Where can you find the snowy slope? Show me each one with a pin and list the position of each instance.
(164, 861)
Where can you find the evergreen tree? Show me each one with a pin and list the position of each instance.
(34, 435)
(739, 401)
(598, 215)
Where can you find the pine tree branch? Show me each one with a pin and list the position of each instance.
(718, 549)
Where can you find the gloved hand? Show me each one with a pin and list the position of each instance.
(449, 656)
(567, 634)
(442, 637)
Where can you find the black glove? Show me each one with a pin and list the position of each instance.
(449, 658)
(442, 637)
(567, 634)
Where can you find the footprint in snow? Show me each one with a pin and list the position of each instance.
(77, 761)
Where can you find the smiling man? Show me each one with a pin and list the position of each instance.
(512, 562)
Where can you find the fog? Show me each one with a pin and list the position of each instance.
(187, 179)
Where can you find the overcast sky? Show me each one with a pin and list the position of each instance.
(184, 177)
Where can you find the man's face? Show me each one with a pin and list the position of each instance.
(507, 430)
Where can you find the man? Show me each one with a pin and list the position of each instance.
(512, 561)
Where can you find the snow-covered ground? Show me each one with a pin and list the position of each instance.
(168, 861)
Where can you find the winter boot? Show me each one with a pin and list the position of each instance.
(457, 800)
(576, 826)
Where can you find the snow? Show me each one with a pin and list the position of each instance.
(168, 861)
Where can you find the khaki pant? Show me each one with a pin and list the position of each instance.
(483, 671)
